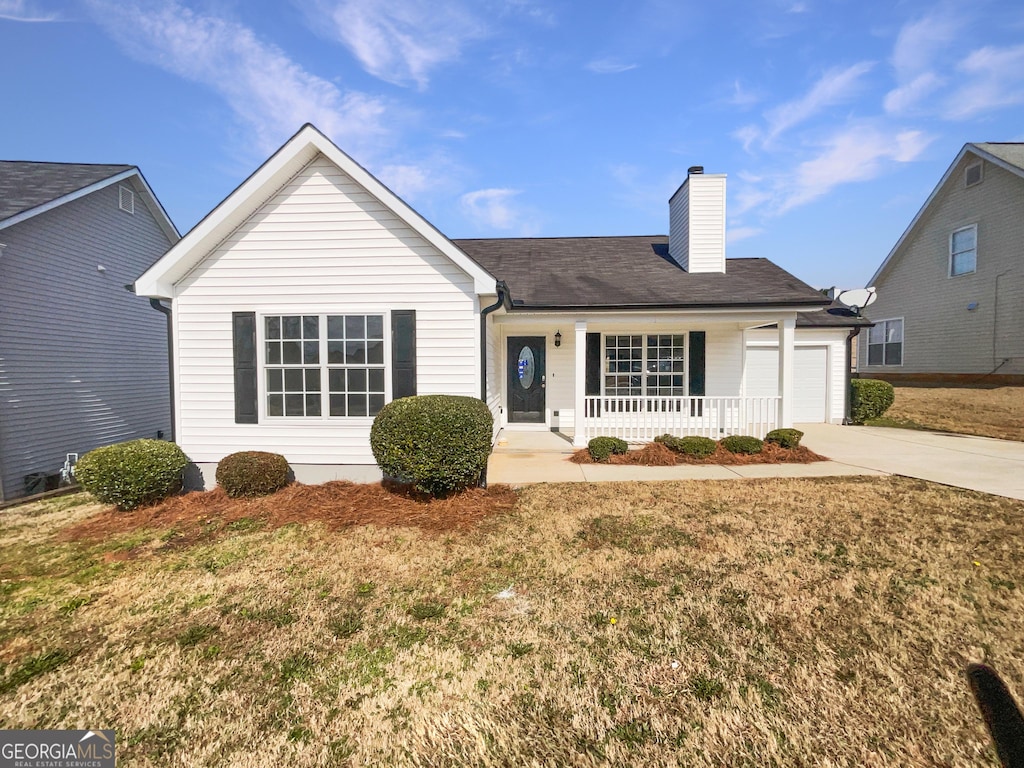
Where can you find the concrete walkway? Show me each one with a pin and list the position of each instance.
(977, 463)
(543, 457)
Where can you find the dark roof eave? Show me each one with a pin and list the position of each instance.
(659, 307)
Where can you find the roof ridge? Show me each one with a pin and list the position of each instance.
(560, 237)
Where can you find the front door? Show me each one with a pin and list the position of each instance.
(526, 379)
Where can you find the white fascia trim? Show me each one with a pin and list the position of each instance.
(297, 152)
(57, 202)
(973, 149)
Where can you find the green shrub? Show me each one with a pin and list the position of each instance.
(132, 474)
(601, 448)
(436, 443)
(691, 445)
(869, 399)
(741, 444)
(787, 438)
(252, 473)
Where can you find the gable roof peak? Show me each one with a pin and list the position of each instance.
(297, 152)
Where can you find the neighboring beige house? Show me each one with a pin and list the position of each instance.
(951, 292)
(313, 295)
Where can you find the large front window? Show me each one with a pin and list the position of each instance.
(324, 365)
(645, 364)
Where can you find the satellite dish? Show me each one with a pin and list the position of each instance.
(858, 298)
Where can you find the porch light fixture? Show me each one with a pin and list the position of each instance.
(558, 338)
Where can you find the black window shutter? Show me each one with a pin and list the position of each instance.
(403, 353)
(697, 339)
(593, 376)
(243, 325)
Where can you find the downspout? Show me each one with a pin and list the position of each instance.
(503, 300)
(166, 312)
(848, 416)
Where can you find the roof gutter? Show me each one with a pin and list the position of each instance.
(166, 312)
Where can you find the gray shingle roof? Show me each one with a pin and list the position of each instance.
(628, 272)
(1009, 152)
(27, 185)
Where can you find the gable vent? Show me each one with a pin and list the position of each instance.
(972, 175)
(126, 199)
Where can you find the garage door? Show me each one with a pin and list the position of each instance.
(810, 374)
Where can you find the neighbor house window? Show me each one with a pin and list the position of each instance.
(885, 343)
(324, 365)
(973, 175)
(639, 364)
(963, 251)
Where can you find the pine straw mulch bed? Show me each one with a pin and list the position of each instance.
(658, 455)
(209, 515)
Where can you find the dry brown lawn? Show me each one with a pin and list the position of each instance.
(740, 623)
(996, 412)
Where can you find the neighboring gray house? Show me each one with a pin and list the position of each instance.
(83, 362)
(951, 292)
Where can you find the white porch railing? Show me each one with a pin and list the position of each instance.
(641, 419)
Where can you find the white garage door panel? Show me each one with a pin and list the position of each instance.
(810, 374)
(810, 384)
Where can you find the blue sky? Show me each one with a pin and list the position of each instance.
(500, 118)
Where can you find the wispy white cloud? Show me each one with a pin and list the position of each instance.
(995, 79)
(609, 66)
(398, 41)
(268, 92)
(919, 45)
(496, 209)
(854, 153)
(21, 10)
(836, 86)
(736, 234)
(857, 153)
(741, 97)
(908, 95)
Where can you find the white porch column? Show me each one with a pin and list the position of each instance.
(787, 337)
(580, 381)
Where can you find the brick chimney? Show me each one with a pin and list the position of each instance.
(696, 230)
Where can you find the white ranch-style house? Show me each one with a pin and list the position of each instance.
(313, 295)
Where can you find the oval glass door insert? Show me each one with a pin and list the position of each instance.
(527, 368)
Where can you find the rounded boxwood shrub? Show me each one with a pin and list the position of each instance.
(252, 473)
(691, 445)
(435, 443)
(741, 444)
(601, 448)
(132, 474)
(786, 438)
(869, 399)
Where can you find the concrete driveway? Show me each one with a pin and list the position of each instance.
(977, 463)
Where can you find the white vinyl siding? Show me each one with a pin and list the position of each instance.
(321, 245)
(697, 224)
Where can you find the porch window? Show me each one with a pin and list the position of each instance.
(305, 352)
(638, 365)
(885, 343)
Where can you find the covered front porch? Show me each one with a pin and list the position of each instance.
(636, 376)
